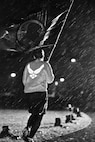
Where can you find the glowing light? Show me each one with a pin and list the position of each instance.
(62, 79)
(69, 105)
(73, 60)
(81, 92)
(56, 83)
(13, 74)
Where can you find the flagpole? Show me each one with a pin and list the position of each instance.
(64, 21)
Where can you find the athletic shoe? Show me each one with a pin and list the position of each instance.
(30, 139)
(25, 132)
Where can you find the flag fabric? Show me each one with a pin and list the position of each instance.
(54, 28)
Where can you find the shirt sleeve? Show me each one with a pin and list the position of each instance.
(50, 75)
(25, 75)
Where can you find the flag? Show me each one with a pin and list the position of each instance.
(54, 28)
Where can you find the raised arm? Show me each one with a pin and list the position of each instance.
(25, 75)
(50, 75)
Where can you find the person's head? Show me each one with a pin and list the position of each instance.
(39, 54)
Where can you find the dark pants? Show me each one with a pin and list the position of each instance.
(36, 102)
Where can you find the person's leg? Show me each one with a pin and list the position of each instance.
(37, 110)
(35, 125)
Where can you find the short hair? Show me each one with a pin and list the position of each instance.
(38, 53)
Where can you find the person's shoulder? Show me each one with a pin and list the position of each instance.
(46, 65)
(44, 62)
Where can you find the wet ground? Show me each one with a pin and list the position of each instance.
(16, 120)
(85, 135)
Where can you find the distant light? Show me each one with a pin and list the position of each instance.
(12, 25)
(81, 92)
(69, 105)
(62, 79)
(13, 74)
(73, 60)
(56, 83)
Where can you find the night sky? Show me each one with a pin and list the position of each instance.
(76, 42)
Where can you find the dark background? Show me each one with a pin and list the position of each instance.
(76, 41)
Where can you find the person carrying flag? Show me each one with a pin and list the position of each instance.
(36, 77)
